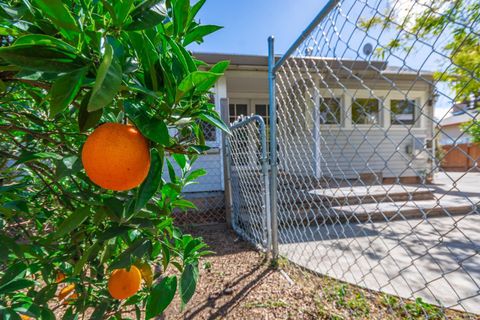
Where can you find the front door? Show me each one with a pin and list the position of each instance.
(247, 107)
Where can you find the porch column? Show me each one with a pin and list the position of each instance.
(316, 128)
(221, 106)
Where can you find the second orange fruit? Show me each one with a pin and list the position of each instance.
(124, 284)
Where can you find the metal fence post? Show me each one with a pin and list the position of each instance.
(266, 178)
(273, 148)
(226, 166)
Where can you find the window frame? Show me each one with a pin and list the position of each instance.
(419, 116)
(340, 95)
(367, 96)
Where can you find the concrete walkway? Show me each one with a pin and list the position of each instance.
(437, 259)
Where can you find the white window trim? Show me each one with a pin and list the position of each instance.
(240, 101)
(340, 95)
(384, 96)
(420, 100)
(364, 94)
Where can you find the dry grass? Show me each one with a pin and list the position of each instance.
(239, 283)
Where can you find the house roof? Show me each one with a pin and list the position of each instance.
(246, 61)
(459, 118)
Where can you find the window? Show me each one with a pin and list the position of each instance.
(403, 111)
(263, 110)
(209, 131)
(236, 110)
(330, 111)
(365, 111)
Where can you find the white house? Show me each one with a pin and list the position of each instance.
(390, 108)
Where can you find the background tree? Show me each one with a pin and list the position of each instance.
(66, 67)
(455, 23)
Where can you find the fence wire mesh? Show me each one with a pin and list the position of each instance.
(249, 180)
(364, 195)
(209, 209)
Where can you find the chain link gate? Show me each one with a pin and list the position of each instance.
(249, 180)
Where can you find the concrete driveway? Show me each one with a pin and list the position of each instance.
(437, 259)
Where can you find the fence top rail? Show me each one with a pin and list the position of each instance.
(320, 16)
(248, 119)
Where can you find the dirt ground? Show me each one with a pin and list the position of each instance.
(238, 282)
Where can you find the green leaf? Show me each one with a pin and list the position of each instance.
(58, 13)
(136, 250)
(201, 81)
(183, 204)
(86, 119)
(194, 80)
(100, 310)
(68, 166)
(31, 156)
(188, 282)
(15, 285)
(14, 271)
(107, 82)
(197, 33)
(64, 90)
(214, 120)
(149, 187)
(152, 128)
(196, 174)
(16, 205)
(160, 297)
(42, 39)
(165, 256)
(181, 9)
(196, 7)
(122, 9)
(220, 67)
(113, 232)
(185, 59)
(180, 159)
(45, 58)
(147, 20)
(72, 222)
(47, 314)
(171, 172)
(92, 250)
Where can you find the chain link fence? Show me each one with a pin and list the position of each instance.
(359, 106)
(249, 180)
(208, 194)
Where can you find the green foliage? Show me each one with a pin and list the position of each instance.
(456, 23)
(473, 129)
(66, 67)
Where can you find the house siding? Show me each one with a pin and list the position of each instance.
(212, 181)
(348, 153)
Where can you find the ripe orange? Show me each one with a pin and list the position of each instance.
(71, 299)
(66, 291)
(116, 157)
(60, 277)
(124, 284)
(24, 317)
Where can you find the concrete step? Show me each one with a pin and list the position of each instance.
(374, 212)
(339, 196)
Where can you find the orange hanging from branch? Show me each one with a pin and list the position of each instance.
(124, 284)
(116, 157)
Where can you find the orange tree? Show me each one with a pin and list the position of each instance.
(69, 247)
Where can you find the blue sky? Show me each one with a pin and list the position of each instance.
(248, 23)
